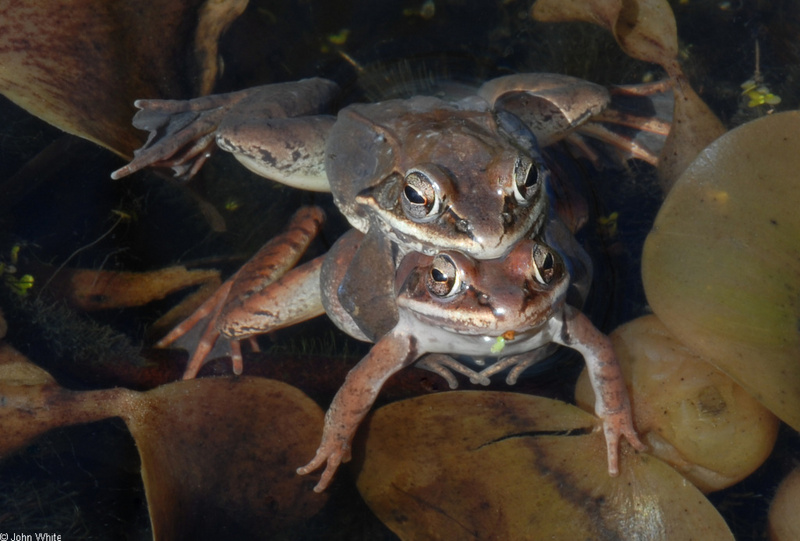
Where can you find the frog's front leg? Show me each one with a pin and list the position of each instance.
(354, 399)
(261, 296)
(612, 404)
(183, 133)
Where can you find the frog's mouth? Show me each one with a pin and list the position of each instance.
(490, 322)
(497, 232)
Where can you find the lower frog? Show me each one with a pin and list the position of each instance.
(452, 304)
(449, 304)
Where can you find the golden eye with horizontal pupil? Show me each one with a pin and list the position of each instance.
(419, 198)
(443, 279)
(544, 264)
(526, 180)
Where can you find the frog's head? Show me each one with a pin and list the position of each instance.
(433, 176)
(458, 294)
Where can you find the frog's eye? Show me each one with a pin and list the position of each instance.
(526, 180)
(443, 280)
(544, 264)
(420, 199)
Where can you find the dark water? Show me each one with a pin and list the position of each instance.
(84, 481)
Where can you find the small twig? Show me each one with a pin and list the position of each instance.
(76, 252)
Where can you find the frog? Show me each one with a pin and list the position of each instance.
(450, 305)
(462, 171)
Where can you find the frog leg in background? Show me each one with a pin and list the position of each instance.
(559, 107)
(184, 133)
(445, 365)
(636, 123)
(518, 363)
(234, 310)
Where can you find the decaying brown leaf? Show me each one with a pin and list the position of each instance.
(493, 465)
(646, 30)
(721, 267)
(218, 455)
(80, 64)
(88, 289)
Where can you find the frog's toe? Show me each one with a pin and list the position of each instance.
(480, 379)
(633, 439)
(615, 426)
(331, 460)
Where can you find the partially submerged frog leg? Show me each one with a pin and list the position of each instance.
(261, 296)
(248, 296)
(559, 107)
(183, 133)
(445, 365)
(550, 105)
(354, 400)
(206, 312)
(636, 122)
(612, 404)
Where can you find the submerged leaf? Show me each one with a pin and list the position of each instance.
(784, 522)
(646, 30)
(31, 402)
(694, 127)
(490, 465)
(80, 64)
(721, 267)
(90, 289)
(218, 455)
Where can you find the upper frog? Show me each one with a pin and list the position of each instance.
(426, 172)
(433, 175)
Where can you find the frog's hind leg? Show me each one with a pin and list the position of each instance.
(635, 124)
(206, 312)
(237, 310)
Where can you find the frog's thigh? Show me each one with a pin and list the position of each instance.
(287, 150)
(293, 298)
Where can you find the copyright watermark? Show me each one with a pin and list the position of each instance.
(30, 536)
